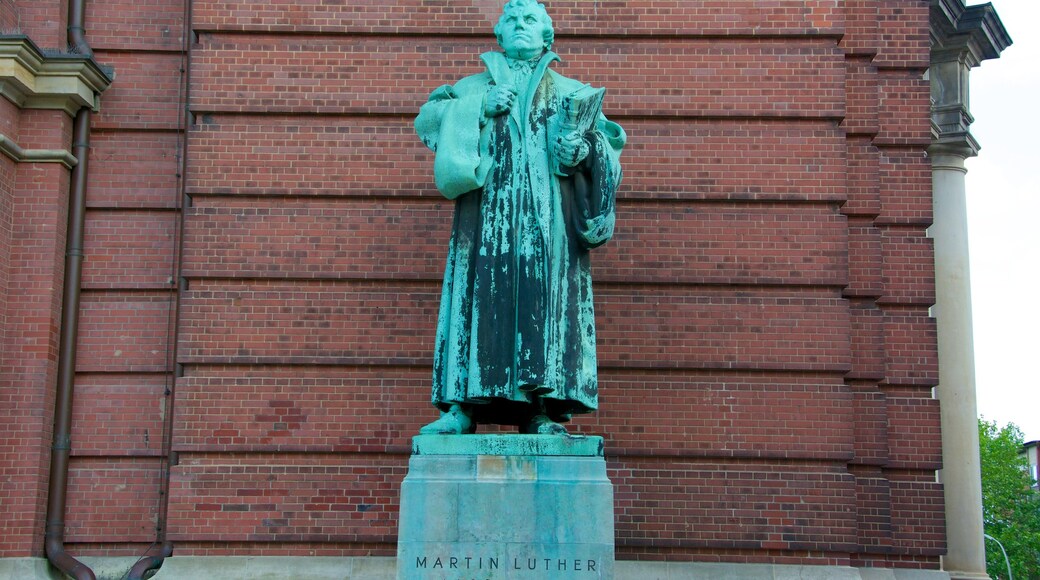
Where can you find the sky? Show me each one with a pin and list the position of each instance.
(1003, 192)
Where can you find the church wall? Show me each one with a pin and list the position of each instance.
(766, 354)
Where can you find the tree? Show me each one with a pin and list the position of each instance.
(1010, 505)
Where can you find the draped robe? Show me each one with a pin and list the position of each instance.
(516, 315)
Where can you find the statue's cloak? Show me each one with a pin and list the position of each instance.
(516, 315)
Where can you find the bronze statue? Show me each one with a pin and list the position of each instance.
(532, 165)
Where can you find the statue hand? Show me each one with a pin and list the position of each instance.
(571, 149)
(499, 100)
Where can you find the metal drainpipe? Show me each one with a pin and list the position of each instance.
(152, 562)
(57, 487)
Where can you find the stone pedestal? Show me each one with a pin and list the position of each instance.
(506, 506)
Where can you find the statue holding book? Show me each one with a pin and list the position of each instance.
(532, 165)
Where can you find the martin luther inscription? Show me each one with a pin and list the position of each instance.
(469, 563)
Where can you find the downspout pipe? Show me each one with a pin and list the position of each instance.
(150, 562)
(57, 486)
(77, 34)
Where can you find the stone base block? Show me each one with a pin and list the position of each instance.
(276, 568)
(506, 506)
(378, 568)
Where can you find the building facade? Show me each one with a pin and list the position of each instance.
(226, 324)
(1029, 449)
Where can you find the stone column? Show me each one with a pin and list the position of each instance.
(966, 554)
(962, 37)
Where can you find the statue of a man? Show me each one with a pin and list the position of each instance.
(516, 341)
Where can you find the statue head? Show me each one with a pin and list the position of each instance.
(525, 29)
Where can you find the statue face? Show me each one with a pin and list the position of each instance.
(522, 32)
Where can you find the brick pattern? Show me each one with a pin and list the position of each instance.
(861, 28)
(737, 505)
(42, 20)
(570, 17)
(324, 322)
(268, 408)
(379, 157)
(7, 177)
(905, 187)
(118, 415)
(28, 354)
(135, 25)
(133, 169)
(731, 243)
(378, 75)
(710, 414)
(15, 466)
(9, 121)
(766, 353)
(902, 28)
(112, 498)
(286, 498)
(904, 108)
(146, 94)
(643, 327)
(914, 438)
(123, 331)
(129, 250)
(918, 516)
(892, 285)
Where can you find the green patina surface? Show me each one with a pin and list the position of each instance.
(516, 331)
(508, 445)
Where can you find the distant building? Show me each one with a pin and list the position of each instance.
(1032, 453)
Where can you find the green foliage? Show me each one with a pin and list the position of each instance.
(1010, 506)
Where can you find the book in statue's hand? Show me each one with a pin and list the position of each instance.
(579, 112)
(581, 109)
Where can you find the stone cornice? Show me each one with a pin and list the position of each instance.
(12, 150)
(962, 37)
(33, 79)
(974, 33)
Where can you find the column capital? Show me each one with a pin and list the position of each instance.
(962, 37)
(970, 34)
(951, 153)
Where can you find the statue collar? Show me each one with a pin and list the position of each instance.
(518, 65)
(498, 66)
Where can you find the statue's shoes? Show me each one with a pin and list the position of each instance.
(454, 422)
(542, 425)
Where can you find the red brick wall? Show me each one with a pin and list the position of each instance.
(124, 382)
(766, 354)
(44, 21)
(15, 472)
(9, 127)
(33, 216)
